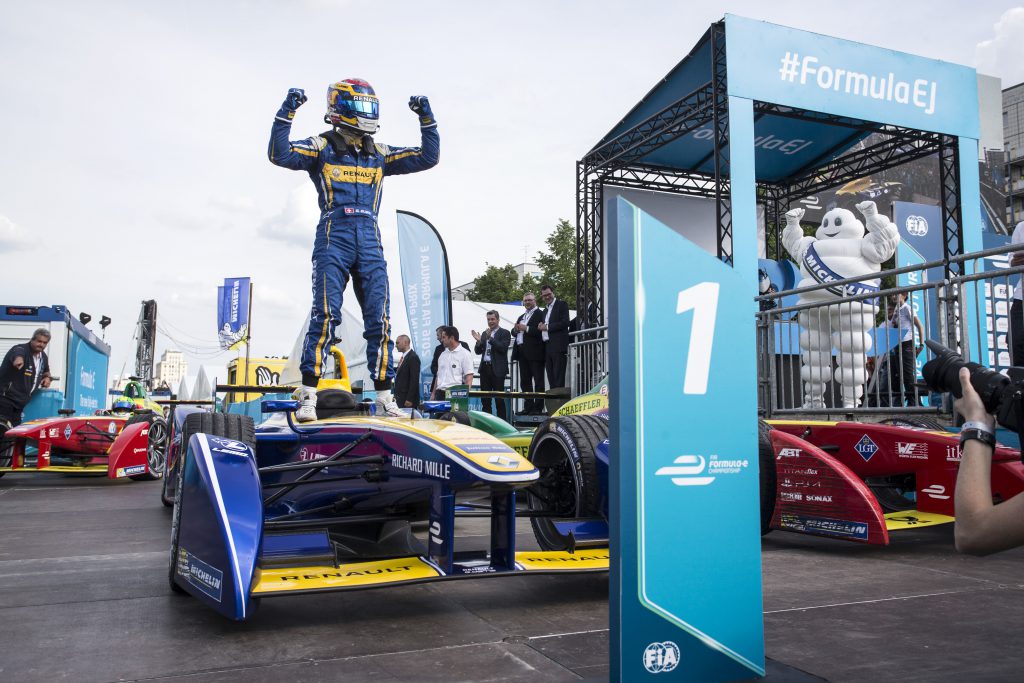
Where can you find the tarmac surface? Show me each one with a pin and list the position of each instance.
(84, 597)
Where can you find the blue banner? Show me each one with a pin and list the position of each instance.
(685, 516)
(820, 73)
(426, 285)
(233, 311)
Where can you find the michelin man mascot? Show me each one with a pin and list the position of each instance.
(840, 249)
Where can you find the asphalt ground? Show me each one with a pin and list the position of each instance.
(84, 597)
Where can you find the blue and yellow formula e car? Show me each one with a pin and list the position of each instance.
(328, 505)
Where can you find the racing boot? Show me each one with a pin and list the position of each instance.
(307, 404)
(387, 406)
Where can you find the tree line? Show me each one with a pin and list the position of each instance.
(557, 265)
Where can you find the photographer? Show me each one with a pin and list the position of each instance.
(24, 369)
(981, 527)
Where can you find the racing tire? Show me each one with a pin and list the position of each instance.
(564, 450)
(460, 416)
(156, 447)
(915, 423)
(768, 475)
(235, 427)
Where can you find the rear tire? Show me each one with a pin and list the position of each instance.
(564, 451)
(156, 446)
(915, 423)
(235, 427)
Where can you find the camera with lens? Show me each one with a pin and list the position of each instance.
(1002, 396)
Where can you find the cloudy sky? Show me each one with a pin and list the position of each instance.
(134, 156)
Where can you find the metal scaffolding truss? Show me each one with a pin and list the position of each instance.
(619, 162)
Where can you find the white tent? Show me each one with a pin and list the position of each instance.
(202, 389)
(183, 393)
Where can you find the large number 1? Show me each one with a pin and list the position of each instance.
(702, 299)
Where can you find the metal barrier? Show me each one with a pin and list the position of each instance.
(588, 359)
(815, 357)
(970, 313)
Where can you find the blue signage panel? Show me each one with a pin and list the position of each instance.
(86, 382)
(426, 285)
(686, 597)
(795, 68)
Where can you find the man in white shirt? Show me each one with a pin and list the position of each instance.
(1016, 308)
(454, 365)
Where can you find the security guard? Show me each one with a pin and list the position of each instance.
(347, 167)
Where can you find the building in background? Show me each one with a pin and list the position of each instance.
(1013, 137)
(171, 368)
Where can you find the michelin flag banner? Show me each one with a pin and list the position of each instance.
(233, 311)
(426, 284)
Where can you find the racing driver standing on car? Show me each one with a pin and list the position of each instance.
(347, 167)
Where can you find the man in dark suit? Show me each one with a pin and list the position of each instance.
(554, 330)
(528, 351)
(493, 345)
(407, 377)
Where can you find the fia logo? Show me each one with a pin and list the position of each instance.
(661, 657)
(684, 471)
(917, 226)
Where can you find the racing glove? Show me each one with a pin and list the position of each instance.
(421, 107)
(296, 98)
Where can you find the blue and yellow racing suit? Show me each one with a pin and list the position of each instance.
(348, 185)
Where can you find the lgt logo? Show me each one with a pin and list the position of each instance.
(661, 657)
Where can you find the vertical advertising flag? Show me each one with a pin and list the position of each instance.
(921, 241)
(426, 284)
(233, 311)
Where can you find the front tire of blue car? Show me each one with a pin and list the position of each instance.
(564, 450)
(235, 427)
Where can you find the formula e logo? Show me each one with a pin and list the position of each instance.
(866, 447)
(917, 226)
(661, 657)
(684, 473)
(67, 431)
(937, 491)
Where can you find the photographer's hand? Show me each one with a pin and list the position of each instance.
(982, 527)
(970, 405)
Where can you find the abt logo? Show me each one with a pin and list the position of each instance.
(685, 472)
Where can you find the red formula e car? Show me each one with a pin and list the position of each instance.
(859, 481)
(849, 480)
(118, 445)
